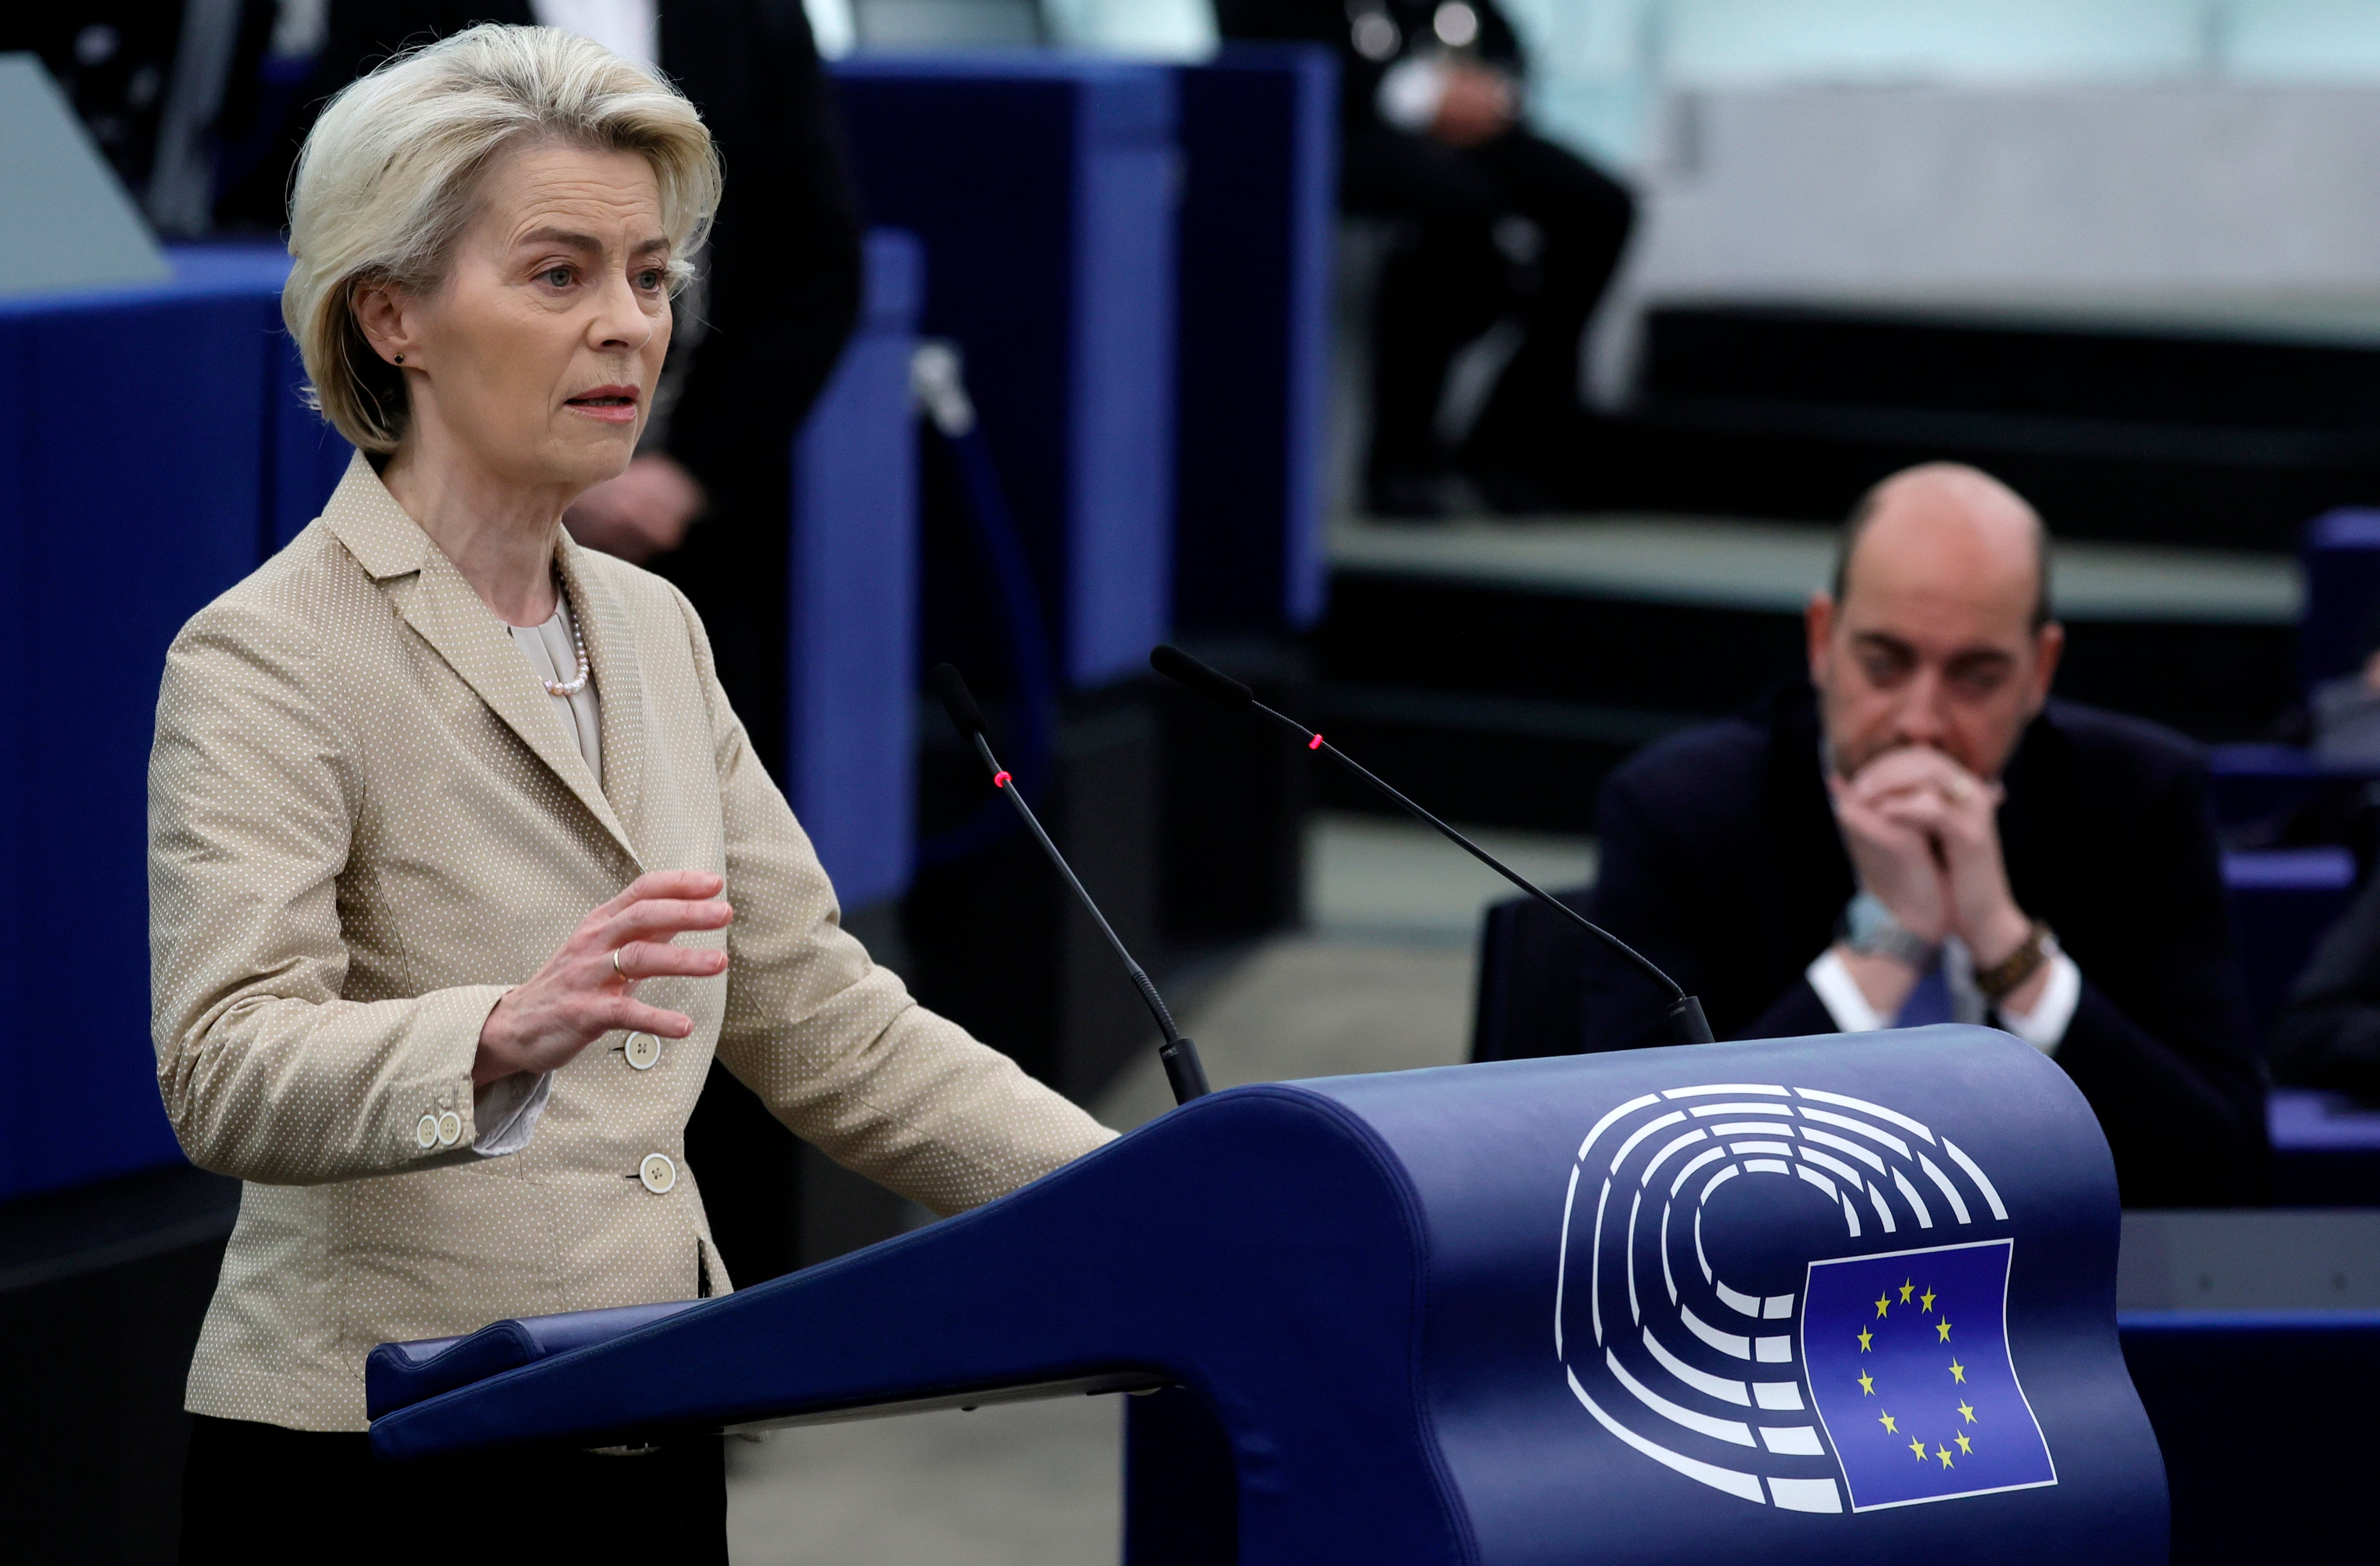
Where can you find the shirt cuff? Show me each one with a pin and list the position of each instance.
(1840, 993)
(2044, 1026)
(1410, 92)
(506, 1112)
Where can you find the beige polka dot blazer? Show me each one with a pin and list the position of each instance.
(366, 820)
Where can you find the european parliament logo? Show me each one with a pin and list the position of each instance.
(1740, 1300)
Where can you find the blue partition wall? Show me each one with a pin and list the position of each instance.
(852, 639)
(1260, 150)
(134, 459)
(1044, 189)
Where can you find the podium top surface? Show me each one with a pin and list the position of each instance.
(1832, 1294)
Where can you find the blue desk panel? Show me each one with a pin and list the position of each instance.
(2263, 1419)
(1043, 187)
(1257, 245)
(852, 632)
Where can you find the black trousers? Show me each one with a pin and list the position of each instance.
(259, 1495)
(1448, 280)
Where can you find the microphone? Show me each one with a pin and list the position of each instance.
(1183, 1071)
(1685, 1011)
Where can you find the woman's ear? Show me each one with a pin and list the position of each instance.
(380, 311)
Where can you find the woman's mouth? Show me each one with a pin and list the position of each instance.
(613, 405)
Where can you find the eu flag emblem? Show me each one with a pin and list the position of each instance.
(1908, 1359)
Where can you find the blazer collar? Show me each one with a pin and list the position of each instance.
(441, 607)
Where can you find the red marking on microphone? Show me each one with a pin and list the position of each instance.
(1314, 744)
(1000, 780)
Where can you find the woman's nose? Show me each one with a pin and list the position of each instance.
(621, 321)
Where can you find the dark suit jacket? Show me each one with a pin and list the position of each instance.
(1722, 863)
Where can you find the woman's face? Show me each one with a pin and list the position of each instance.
(535, 360)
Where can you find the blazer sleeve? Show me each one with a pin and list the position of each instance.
(267, 1072)
(834, 1045)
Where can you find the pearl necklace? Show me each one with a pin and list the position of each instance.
(577, 640)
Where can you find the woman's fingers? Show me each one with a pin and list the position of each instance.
(659, 919)
(648, 959)
(635, 1017)
(693, 884)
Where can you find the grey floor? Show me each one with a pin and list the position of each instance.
(1379, 981)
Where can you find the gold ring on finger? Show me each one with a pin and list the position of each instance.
(615, 963)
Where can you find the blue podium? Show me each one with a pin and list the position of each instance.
(1822, 1298)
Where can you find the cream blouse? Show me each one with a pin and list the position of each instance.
(506, 1110)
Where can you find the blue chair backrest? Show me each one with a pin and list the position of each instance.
(2340, 623)
(2283, 901)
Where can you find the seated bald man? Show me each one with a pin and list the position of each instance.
(1919, 834)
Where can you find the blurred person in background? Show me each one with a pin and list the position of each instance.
(146, 79)
(1919, 834)
(706, 501)
(1498, 221)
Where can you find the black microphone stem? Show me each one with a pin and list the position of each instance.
(1183, 1069)
(1685, 1011)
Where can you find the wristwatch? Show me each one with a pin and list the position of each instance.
(1869, 927)
(2006, 977)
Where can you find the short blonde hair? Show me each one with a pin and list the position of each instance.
(390, 174)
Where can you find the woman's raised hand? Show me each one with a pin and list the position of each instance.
(588, 989)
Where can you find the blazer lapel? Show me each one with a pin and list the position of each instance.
(448, 615)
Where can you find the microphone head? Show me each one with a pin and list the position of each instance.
(957, 701)
(1212, 683)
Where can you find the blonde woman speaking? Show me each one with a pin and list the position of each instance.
(461, 868)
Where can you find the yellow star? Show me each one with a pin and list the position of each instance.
(1866, 1338)
(1881, 1302)
(1890, 1427)
(1943, 1326)
(1958, 1373)
(1926, 1299)
(1919, 1447)
(1965, 1446)
(1968, 1411)
(1905, 1289)
(1944, 1454)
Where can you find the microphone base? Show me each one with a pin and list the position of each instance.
(1184, 1072)
(1686, 1016)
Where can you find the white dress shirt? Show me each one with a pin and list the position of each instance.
(2044, 1027)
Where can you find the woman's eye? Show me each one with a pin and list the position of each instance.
(649, 280)
(559, 276)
